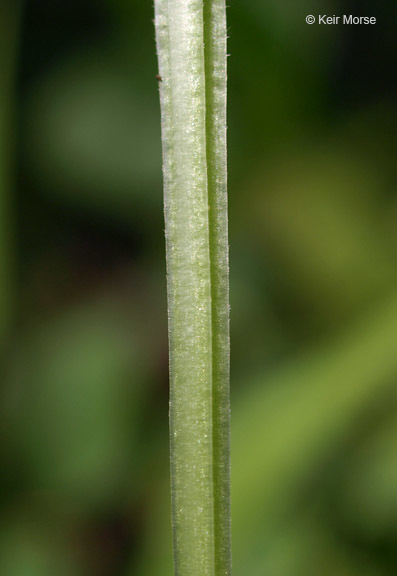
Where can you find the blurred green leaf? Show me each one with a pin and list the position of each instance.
(9, 29)
(94, 138)
(72, 406)
(282, 431)
(322, 224)
(29, 548)
(369, 483)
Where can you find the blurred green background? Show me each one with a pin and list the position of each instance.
(84, 486)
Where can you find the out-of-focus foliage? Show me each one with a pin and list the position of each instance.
(83, 415)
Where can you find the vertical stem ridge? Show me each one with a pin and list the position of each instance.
(215, 42)
(195, 206)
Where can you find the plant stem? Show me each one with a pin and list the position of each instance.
(191, 46)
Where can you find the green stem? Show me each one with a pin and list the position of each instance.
(191, 45)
